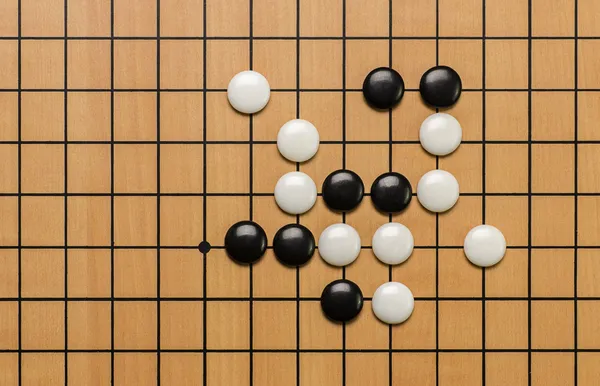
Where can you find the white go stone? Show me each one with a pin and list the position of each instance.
(485, 245)
(248, 92)
(437, 190)
(339, 244)
(393, 302)
(440, 134)
(393, 243)
(298, 140)
(295, 193)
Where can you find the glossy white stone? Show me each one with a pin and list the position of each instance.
(437, 190)
(339, 244)
(298, 140)
(440, 134)
(393, 302)
(485, 245)
(393, 243)
(248, 92)
(295, 193)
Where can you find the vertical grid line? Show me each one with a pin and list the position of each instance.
(390, 166)
(19, 265)
(344, 91)
(529, 197)
(158, 355)
(112, 192)
(576, 191)
(483, 165)
(297, 216)
(251, 191)
(437, 221)
(65, 170)
(204, 216)
(344, 165)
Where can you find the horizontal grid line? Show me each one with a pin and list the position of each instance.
(293, 351)
(107, 247)
(264, 142)
(291, 299)
(259, 194)
(295, 38)
(275, 90)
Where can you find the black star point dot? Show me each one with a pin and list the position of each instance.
(204, 247)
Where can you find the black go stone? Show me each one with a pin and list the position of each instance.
(294, 245)
(245, 242)
(383, 88)
(341, 300)
(343, 190)
(440, 86)
(391, 192)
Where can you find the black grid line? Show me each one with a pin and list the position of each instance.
(529, 183)
(66, 201)
(204, 204)
(483, 190)
(19, 198)
(112, 197)
(222, 194)
(390, 166)
(158, 147)
(100, 247)
(251, 191)
(326, 142)
(437, 221)
(301, 299)
(575, 190)
(312, 351)
(298, 216)
(150, 38)
(344, 154)
(279, 90)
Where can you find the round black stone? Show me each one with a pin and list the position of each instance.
(245, 242)
(383, 88)
(294, 244)
(440, 86)
(341, 300)
(391, 192)
(343, 190)
(204, 247)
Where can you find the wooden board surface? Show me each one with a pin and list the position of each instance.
(120, 154)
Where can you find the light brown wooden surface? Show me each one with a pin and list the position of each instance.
(157, 171)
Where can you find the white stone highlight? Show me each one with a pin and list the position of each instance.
(339, 244)
(295, 193)
(440, 134)
(248, 92)
(393, 303)
(298, 140)
(485, 245)
(438, 190)
(393, 243)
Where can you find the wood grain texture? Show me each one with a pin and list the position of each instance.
(159, 189)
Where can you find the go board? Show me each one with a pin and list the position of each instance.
(121, 154)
